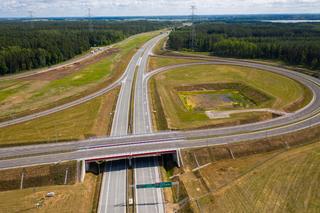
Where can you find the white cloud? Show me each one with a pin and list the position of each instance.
(153, 7)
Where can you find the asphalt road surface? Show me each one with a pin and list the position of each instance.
(302, 119)
(76, 102)
(113, 199)
(146, 170)
(148, 200)
(121, 144)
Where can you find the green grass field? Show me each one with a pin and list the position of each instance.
(157, 62)
(285, 92)
(279, 181)
(86, 120)
(23, 96)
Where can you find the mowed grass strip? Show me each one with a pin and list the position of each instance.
(40, 93)
(158, 62)
(90, 119)
(272, 182)
(282, 90)
(68, 198)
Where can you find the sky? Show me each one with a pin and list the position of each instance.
(65, 8)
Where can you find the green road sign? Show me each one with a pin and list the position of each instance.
(164, 185)
(145, 186)
(155, 185)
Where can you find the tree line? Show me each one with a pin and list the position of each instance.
(295, 44)
(29, 45)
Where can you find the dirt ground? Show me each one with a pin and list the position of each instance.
(69, 69)
(77, 198)
(267, 176)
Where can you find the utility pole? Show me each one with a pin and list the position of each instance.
(31, 18)
(193, 29)
(89, 20)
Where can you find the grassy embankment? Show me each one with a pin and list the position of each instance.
(93, 118)
(68, 198)
(287, 94)
(41, 175)
(208, 173)
(31, 94)
(157, 62)
(278, 181)
(278, 63)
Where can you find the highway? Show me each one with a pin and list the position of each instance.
(146, 170)
(120, 144)
(113, 197)
(76, 102)
(304, 118)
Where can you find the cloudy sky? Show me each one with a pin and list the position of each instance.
(53, 8)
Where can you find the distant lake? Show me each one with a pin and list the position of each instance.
(292, 21)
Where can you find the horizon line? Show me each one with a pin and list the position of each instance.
(144, 16)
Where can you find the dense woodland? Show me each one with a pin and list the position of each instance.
(26, 45)
(295, 44)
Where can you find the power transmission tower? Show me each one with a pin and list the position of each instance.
(89, 20)
(31, 19)
(193, 28)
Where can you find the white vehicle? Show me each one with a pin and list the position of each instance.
(50, 194)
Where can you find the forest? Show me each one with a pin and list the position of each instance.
(26, 45)
(294, 44)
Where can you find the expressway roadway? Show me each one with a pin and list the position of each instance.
(120, 144)
(73, 103)
(146, 170)
(114, 182)
(302, 119)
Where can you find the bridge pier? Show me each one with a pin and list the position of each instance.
(177, 158)
(130, 162)
(83, 166)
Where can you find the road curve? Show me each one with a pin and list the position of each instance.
(73, 103)
(302, 119)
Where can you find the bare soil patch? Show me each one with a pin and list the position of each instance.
(69, 69)
(257, 97)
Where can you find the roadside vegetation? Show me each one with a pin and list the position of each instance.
(42, 91)
(157, 62)
(91, 119)
(278, 181)
(79, 197)
(294, 44)
(274, 174)
(26, 46)
(37, 176)
(256, 89)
